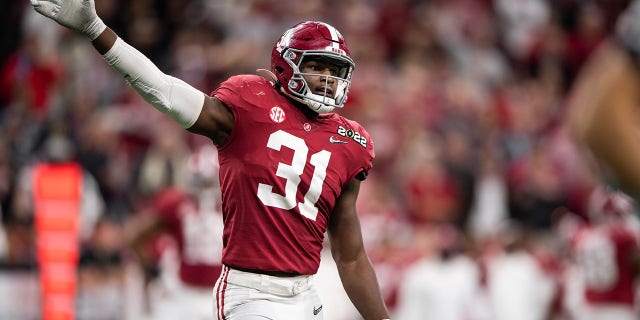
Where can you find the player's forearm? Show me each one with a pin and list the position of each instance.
(104, 41)
(171, 96)
(360, 283)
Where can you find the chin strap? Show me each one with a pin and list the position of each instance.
(313, 106)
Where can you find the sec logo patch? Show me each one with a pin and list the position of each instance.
(277, 115)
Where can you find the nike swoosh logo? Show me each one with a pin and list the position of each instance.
(317, 310)
(334, 140)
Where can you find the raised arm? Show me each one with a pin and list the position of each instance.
(355, 269)
(189, 107)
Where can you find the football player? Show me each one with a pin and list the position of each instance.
(606, 252)
(192, 219)
(290, 169)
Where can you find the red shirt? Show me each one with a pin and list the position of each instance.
(604, 255)
(196, 226)
(280, 174)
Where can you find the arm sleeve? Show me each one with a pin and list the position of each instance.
(170, 95)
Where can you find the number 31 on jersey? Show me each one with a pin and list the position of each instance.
(292, 172)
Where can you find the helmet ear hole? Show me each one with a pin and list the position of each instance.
(279, 69)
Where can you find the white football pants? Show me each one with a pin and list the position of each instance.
(250, 296)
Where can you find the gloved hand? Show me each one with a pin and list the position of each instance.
(79, 15)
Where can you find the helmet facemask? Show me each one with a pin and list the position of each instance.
(299, 89)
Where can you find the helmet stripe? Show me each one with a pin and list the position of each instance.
(335, 40)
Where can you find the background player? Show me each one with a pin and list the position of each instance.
(192, 219)
(290, 170)
(605, 250)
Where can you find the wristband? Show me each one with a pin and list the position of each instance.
(94, 29)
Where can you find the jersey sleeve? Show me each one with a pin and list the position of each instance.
(243, 95)
(242, 90)
(368, 153)
(228, 92)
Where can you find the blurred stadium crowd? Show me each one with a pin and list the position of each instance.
(464, 100)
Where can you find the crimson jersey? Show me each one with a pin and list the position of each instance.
(603, 254)
(196, 225)
(280, 174)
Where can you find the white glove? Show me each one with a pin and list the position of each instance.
(79, 15)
